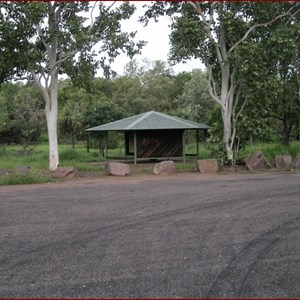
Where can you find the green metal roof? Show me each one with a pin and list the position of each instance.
(150, 120)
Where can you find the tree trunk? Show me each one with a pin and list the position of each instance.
(50, 92)
(51, 117)
(53, 144)
(226, 99)
(226, 115)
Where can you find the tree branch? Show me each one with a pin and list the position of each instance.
(212, 88)
(249, 31)
(42, 90)
(237, 100)
(91, 14)
(207, 26)
(40, 34)
(231, 89)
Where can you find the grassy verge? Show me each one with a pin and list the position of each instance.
(37, 159)
(271, 150)
(188, 166)
(24, 179)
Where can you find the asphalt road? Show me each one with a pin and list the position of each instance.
(198, 237)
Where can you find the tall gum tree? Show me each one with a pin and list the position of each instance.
(214, 33)
(56, 37)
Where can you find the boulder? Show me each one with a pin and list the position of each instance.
(66, 172)
(164, 167)
(296, 163)
(283, 161)
(257, 161)
(22, 170)
(207, 166)
(117, 169)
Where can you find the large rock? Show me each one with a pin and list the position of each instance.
(296, 163)
(283, 161)
(22, 170)
(117, 169)
(66, 172)
(257, 161)
(164, 167)
(207, 166)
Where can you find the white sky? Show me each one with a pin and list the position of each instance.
(157, 48)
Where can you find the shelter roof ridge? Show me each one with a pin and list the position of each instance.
(150, 120)
(175, 118)
(141, 118)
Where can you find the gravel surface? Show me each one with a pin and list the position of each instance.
(186, 235)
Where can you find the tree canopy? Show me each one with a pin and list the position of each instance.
(56, 37)
(224, 36)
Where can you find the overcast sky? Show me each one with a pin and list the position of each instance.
(157, 48)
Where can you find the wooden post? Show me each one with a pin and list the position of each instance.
(99, 144)
(183, 145)
(197, 137)
(125, 144)
(106, 145)
(135, 147)
(88, 143)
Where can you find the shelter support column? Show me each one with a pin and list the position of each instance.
(106, 145)
(183, 145)
(88, 143)
(197, 141)
(135, 147)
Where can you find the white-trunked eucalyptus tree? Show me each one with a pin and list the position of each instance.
(56, 37)
(220, 34)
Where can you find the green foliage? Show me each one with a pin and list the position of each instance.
(22, 114)
(102, 113)
(20, 21)
(180, 81)
(146, 87)
(272, 78)
(234, 40)
(54, 38)
(128, 95)
(194, 102)
(214, 142)
(158, 87)
(16, 32)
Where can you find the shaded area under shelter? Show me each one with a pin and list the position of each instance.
(152, 136)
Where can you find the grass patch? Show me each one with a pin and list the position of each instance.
(89, 168)
(37, 157)
(271, 150)
(187, 166)
(146, 170)
(24, 179)
(203, 152)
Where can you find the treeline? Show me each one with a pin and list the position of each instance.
(151, 86)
